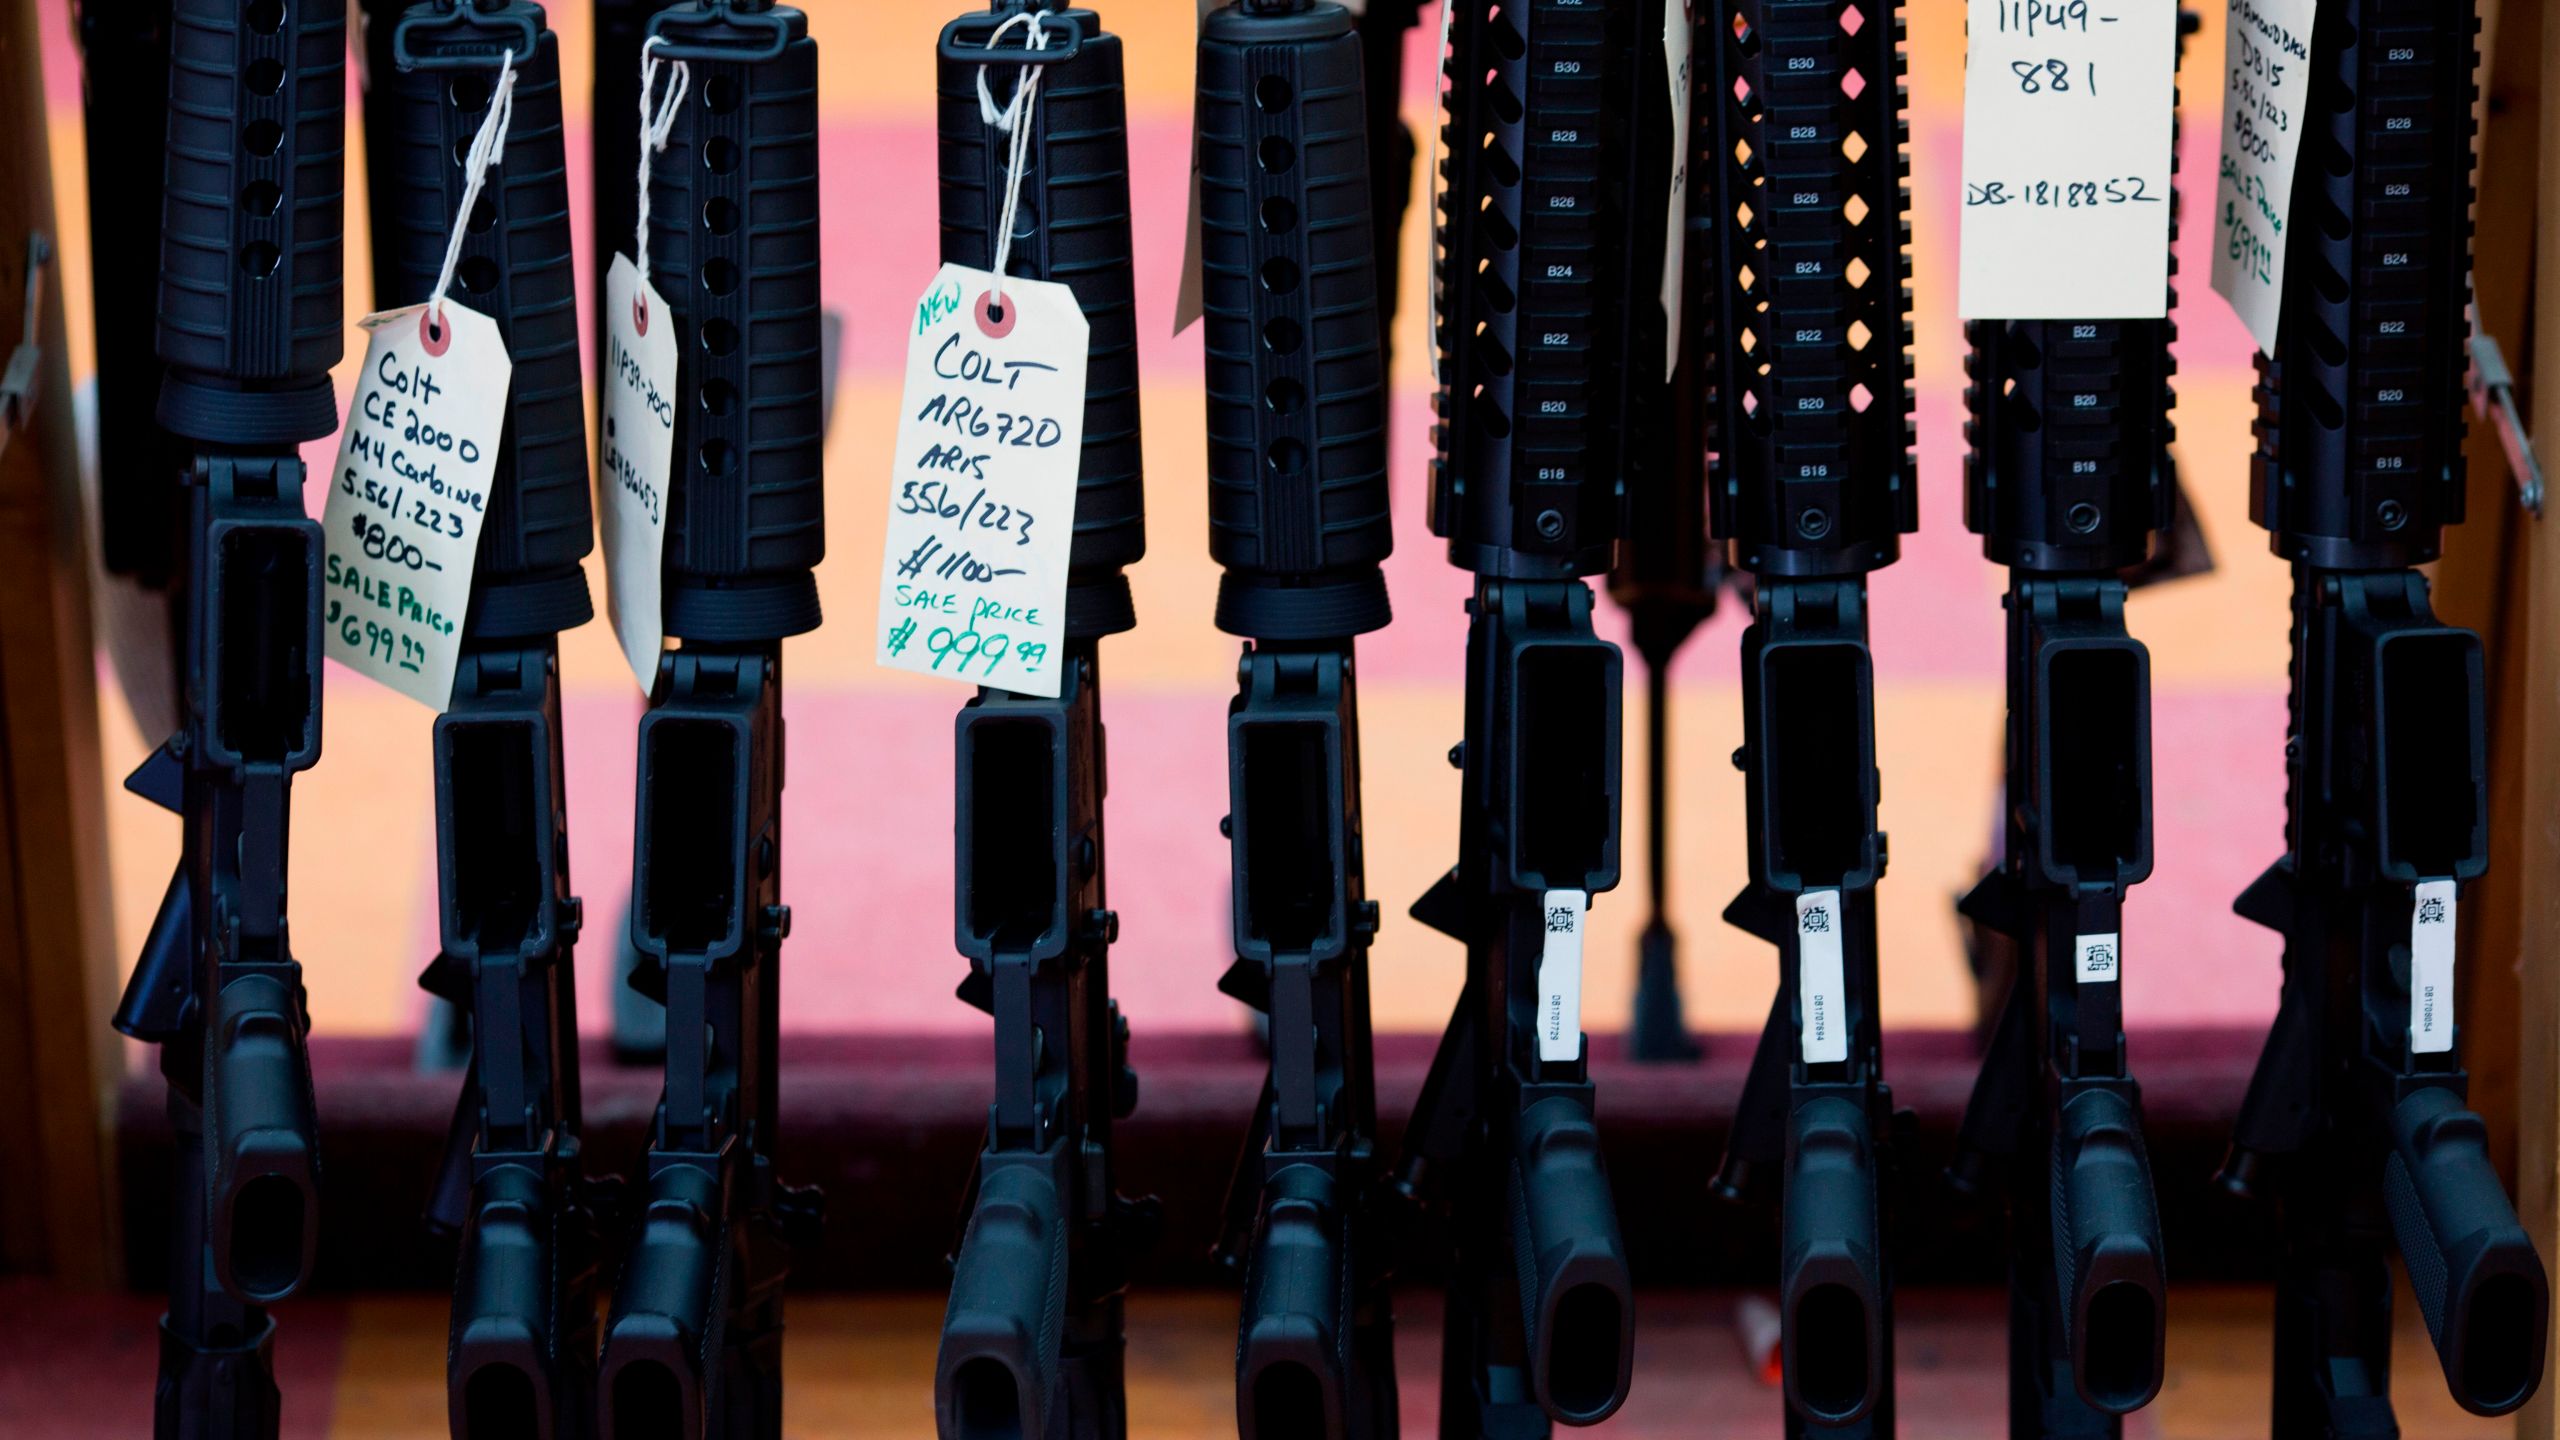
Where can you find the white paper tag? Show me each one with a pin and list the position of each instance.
(1824, 1027)
(411, 489)
(1676, 28)
(2101, 958)
(1560, 976)
(2431, 922)
(2268, 45)
(633, 462)
(2068, 110)
(982, 488)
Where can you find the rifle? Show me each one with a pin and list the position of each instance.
(1545, 283)
(1813, 487)
(693, 1346)
(2070, 484)
(1031, 1342)
(1300, 523)
(251, 320)
(1667, 580)
(2354, 1119)
(522, 1350)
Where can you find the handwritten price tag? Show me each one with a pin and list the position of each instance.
(631, 476)
(403, 519)
(2068, 110)
(982, 489)
(2269, 47)
(1677, 26)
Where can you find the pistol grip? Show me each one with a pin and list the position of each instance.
(1291, 1365)
(499, 1381)
(265, 1196)
(655, 1379)
(1832, 1286)
(2106, 1239)
(1577, 1298)
(2479, 1282)
(1000, 1339)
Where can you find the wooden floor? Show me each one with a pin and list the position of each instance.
(861, 1368)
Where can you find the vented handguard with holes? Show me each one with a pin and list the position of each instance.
(1032, 1339)
(1550, 334)
(693, 1343)
(1812, 486)
(250, 322)
(1297, 397)
(521, 1355)
(2354, 1120)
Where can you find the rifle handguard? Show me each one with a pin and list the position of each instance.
(1291, 1355)
(2478, 1279)
(1001, 1335)
(2106, 1253)
(663, 1344)
(1576, 1295)
(1832, 1305)
(265, 1192)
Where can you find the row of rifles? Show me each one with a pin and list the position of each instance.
(1624, 368)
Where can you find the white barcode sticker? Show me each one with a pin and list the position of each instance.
(2101, 958)
(2431, 922)
(1560, 976)
(1823, 1028)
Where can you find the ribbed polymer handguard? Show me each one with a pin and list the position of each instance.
(1298, 511)
(1813, 331)
(516, 268)
(1072, 227)
(2367, 379)
(734, 250)
(1536, 286)
(252, 310)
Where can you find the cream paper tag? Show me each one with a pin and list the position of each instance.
(1823, 1033)
(2099, 959)
(1677, 28)
(982, 486)
(2267, 45)
(2431, 934)
(2069, 110)
(415, 462)
(633, 463)
(1560, 976)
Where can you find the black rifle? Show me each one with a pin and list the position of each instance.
(1031, 1343)
(1548, 323)
(693, 1347)
(522, 1351)
(1667, 579)
(1299, 519)
(2070, 484)
(251, 319)
(2355, 1119)
(1813, 486)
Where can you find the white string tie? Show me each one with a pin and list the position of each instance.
(1009, 121)
(655, 126)
(486, 147)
